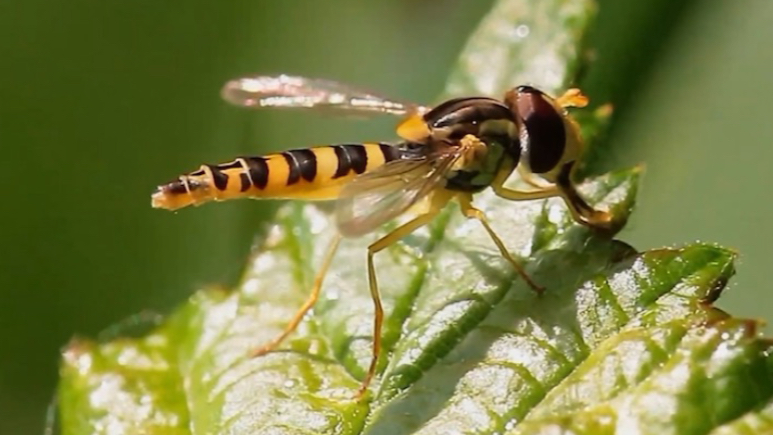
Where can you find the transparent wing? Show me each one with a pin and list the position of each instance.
(285, 91)
(374, 198)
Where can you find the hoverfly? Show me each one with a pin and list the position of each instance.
(448, 152)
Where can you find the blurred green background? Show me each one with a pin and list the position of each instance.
(100, 101)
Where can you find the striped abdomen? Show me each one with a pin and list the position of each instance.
(311, 173)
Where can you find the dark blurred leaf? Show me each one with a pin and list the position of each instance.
(619, 342)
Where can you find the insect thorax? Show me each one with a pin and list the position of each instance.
(490, 130)
(477, 170)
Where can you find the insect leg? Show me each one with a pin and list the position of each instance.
(378, 318)
(465, 200)
(529, 178)
(307, 305)
(581, 211)
(516, 195)
(565, 188)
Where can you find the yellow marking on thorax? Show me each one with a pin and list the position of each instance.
(414, 129)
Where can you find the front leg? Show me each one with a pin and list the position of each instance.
(565, 188)
(581, 211)
(498, 184)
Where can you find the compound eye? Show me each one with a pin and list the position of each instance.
(526, 89)
(544, 132)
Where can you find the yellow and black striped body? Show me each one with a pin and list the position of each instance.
(316, 173)
(528, 128)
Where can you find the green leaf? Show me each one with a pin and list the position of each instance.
(620, 341)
